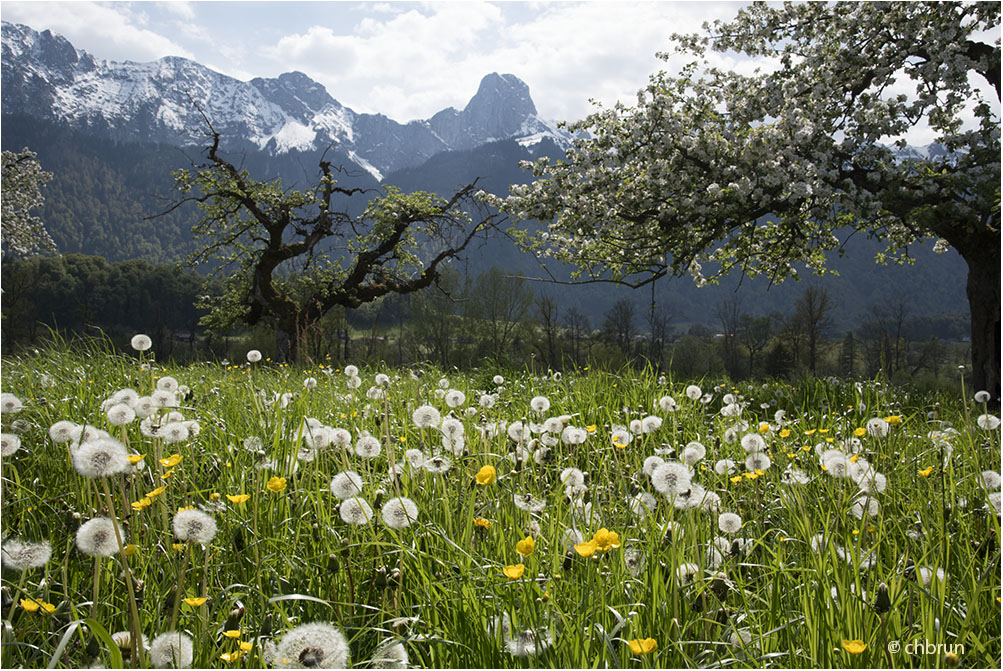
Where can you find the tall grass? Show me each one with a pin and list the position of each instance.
(802, 582)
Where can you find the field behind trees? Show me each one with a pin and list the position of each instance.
(258, 513)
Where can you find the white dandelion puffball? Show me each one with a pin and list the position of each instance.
(351, 371)
(353, 382)
(253, 356)
(573, 435)
(621, 437)
(368, 447)
(926, 575)
(120, 414)
(528, 503)
(10, 404)
(642, 504)
(498, 380)
(990, 480)
(437, 464)
(18, 555)
(982, 397)
(724, 467)
(426, 417)
(141, 342)
(101, 458)
(96, 537)
(310, 383)
(415, 458)
(753, 442)
(346, 484)
(455, 398)
(988, 422)
(693, 452)
(194, 526)
(172, 650)
(757, 461)
(390, 655)
(572, 477)
(650, 424)
(668, 404)
(9, 444)
(729, 523)
(486, 401)
(651, 463)
(877, 427)
(671, 478)
(174, 432)
(399, 512)
(540, 404)
(516, 431)
(994, 502)
(167, 383)
(452, 428)
(864, 505)
(62, 431)
(693, 392)
(355, 511)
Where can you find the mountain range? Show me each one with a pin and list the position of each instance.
(112, 132)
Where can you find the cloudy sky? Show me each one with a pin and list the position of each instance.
(407, 60)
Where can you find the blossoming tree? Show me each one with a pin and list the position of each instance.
(715, 171)
(23, 179)
(294, 255)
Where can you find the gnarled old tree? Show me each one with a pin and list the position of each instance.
(714, 171)
(294, 255)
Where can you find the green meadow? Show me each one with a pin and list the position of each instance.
(255, 514)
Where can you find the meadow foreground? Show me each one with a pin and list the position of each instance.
(260, 515)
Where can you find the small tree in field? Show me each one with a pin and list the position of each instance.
(21, 192)
(294, 255)
(715, 171)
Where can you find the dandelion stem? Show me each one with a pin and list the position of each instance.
(180, 592)
(134, 630)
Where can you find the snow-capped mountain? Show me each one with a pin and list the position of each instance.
(45, 76)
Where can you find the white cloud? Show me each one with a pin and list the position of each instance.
(111, 32)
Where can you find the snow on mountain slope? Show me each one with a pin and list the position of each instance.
(164, 101)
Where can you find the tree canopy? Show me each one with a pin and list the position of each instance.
(23, 179)
(714, 170)
(293, 255)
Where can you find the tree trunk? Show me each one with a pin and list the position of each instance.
(984, 302)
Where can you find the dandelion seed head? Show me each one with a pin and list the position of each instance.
(174, 432)
(355, 511)
(426, 417)
(864, 505)
(693, 452)
(194, 526)
(101, 458)
(62, 431)
(390, 655)
(877, 427)
(540, 404)
(141, 342)
(988, 422)
(18, 555)
(399, 512)
(757, 461)
(120, 414)
(982, 397)
(346, 484)
(572, 477)
(172, 650)
(528, 503)
(9, 444)
(10, 404)
(643, 504)
(693, 392)
(753, 442)
(668, 404)
(670, 478)
(729, 523)
(437, 464)
(96, 537)
(368, 447)
(167, 383)
(990, 480)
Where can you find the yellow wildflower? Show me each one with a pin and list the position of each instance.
(642, 646)
(231, 656)
(178, 546)
(860, 432)
(586, 549)
(196, 601)
(214, 496)
(232, 633)
(486, 475)
(764, 427)
(171, 461)
(514, 572)
(854, 647)
(526, 546)
(135, 458)
(130, 550)
(736, 479)
(926, 471)
(591, 428)
(144, 502)
(894, 420)
(606, 540)
(157, 492)
(276, 484)
(481, 522)
(238, 498)
(784, 433)
(245, 645)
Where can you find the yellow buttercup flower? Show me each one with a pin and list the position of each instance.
(29, 605)
(586, 549)
(854, 458)
(736, 479)
(184, 508)
(238, 498)
(231, 656)
(171, 461)
(591, 428)
(854, 647)
(606, 540)
(135, 458)
(894, 420)
(750, 476)
(130, 550)
(141, 504)
(642, 646)
(764, 427)
(167, 475)
(276, 484)
(526, 546)
(196, 601)
(157, 492)
(246, 645)
(481, 522)
(178, 546)
(860, 432)
(214, 496)
(926, 471)
(514, 572)
(784, 433)
(809, 432)
(486, 475)
(232, 633)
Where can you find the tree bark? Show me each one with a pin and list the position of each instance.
(984, 303)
